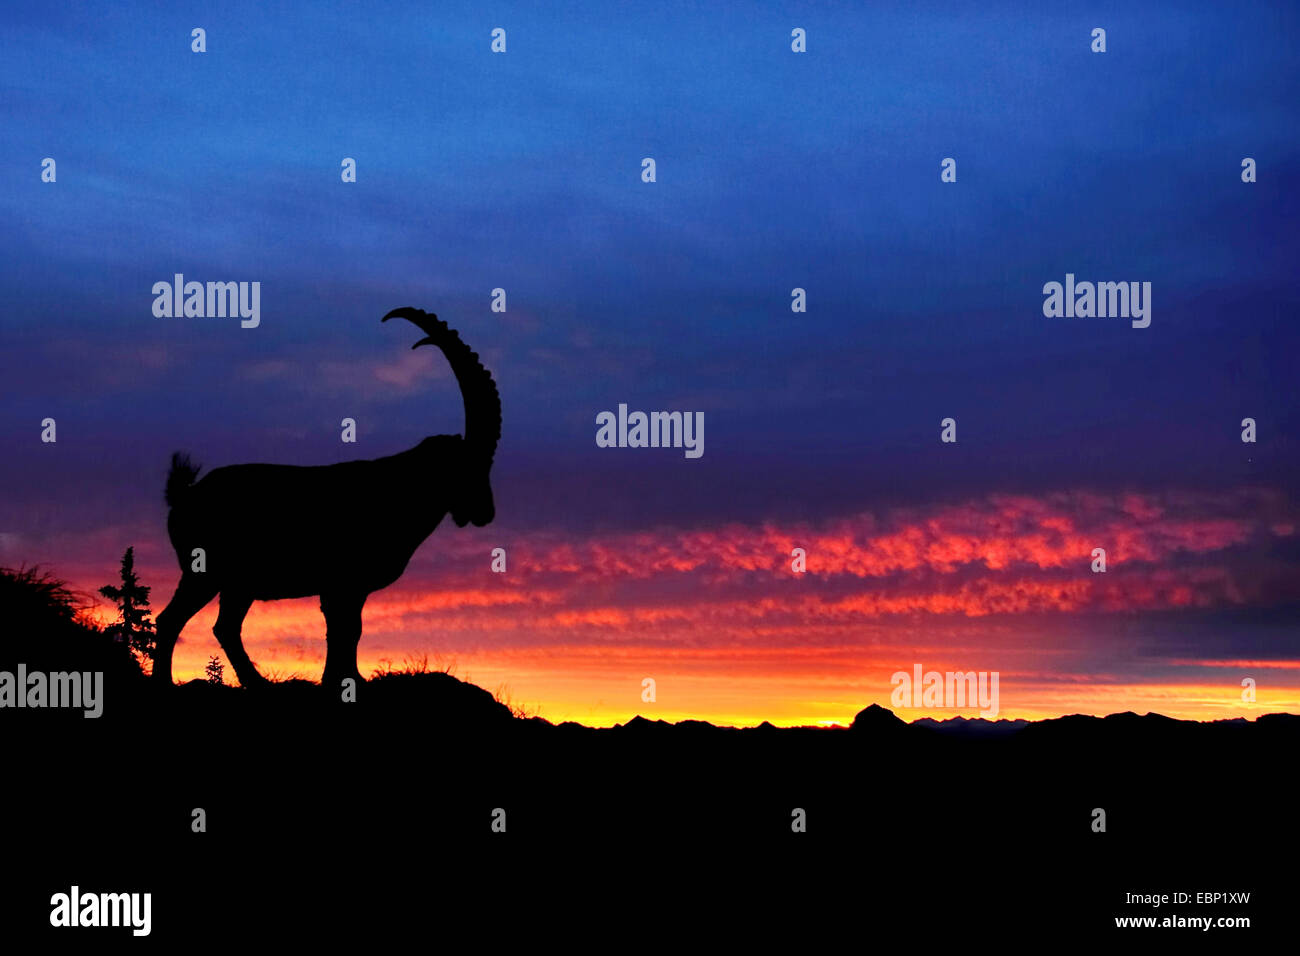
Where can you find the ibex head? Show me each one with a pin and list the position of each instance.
(472, 495)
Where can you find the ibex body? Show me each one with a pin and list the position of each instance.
(339, 531)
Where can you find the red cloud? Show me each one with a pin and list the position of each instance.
(666, 592)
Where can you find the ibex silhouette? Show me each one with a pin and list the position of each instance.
(341, 531)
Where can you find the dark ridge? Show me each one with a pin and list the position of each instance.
(877, 719)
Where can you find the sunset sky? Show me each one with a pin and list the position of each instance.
(775, 170)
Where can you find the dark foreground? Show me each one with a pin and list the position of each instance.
(373, 822)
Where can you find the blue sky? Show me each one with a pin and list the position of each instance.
(775, 170)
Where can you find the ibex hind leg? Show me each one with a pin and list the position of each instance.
(191, 595)
(230, 621)
(342, 632)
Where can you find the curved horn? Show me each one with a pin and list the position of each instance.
(477, 389)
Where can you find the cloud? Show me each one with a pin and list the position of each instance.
(1000, 556)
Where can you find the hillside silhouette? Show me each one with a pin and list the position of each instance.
(42, 625)
(414, 769)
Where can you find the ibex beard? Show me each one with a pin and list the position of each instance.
(260, 532)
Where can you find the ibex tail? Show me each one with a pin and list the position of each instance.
(182, 475)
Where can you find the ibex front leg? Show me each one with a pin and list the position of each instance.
(342, 632)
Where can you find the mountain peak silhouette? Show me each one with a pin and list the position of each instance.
(640, 723)
(875, 718)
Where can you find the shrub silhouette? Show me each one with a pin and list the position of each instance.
(215, 670)
(45, 628)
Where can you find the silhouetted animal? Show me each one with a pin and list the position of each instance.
(341, 531)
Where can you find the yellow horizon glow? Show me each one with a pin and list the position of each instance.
(559, 688)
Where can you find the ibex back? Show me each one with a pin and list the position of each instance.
(340, 531)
